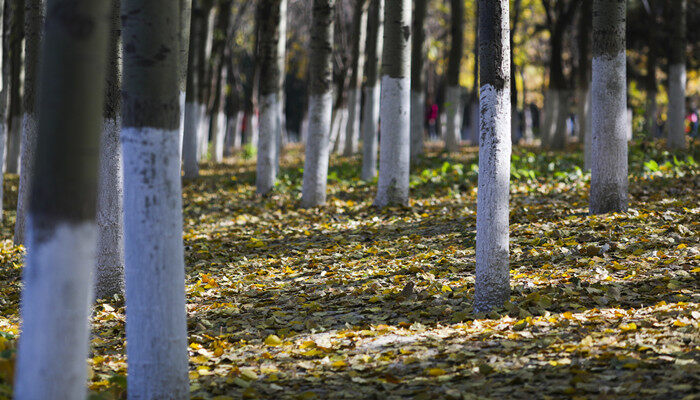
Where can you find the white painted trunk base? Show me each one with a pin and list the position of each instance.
(190, 156)
(252, 131)
(154, 265)
(14, 147)
(453, 105)
(630, 124)
(29, 140)
(3, 140)
(417, 123)
(53, 346)
(339, 126)
(492, 251)
(394, 160)
(218, 136)
(233, 133)
(265, 175)
(676, 107)
(370, 131)
(109, 273)
(528, 135)
(317, 151)
(556, 113)
(352, 134)
(203, 133)
(609, 135)
(182, 120)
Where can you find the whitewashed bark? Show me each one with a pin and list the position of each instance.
(630, 124)
(182, 120)
(190, 149)
(3, 140)
(252, 131)
(394, 159)
(417, 123)
(218, 136)
(609, 135)
(57, 276)
(265, 176)
(203, 132)
(492, 251)
(528, 136)
(14, 147)
(370, 130)
(453, 104)
(109, 273)
(233, 131)
(29, 140)
(676, 107)
(352, 132)
(339, 126)
(317, 151)
(304, 129)
(588, 138)
(154, 264)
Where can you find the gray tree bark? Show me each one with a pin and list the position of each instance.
(609, 109)
(492, 282)
(677, 77)
(320, 105)
(453, 103)
(4, 97)
(12, 163)
(154, 267)
(33, 25)
(395, 106)
(190, 156)
(370, 117)
(61, 229)
(352, 134)
(417, 89)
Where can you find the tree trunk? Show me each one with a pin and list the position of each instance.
(190, 157)
(33, 25)
(473, 129)
(492, 287)
(370, 117)
(219, 76)
(320, 105)
(651, 124)
(109, 272)
(206, 39)
(417, 87)
(584, 78)
(61, 229)
(271, 54)
(185, 21)
(677, 77)
(352, 133)
(4, 94)
(609, 112)
(15, 116)
(453, 103)
(395, 106)
(515, 133)
(154, 255)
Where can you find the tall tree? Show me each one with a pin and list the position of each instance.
(492, 287)
(15, 117)
(219, 72)
(370, 111)
(192, 112)
(395, 106)
(109, 273)
(417, 92)
(271, 55)
(609, 109)
(154, 256)
(185, 22)
(514, 114)
(4, 93)
(652, 38)
(320, 105)
(584, 80)
(33, 26)
(352, 135)
(453, 103)
(677, 76)
(61, 229)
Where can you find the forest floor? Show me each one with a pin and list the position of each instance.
(349, 302)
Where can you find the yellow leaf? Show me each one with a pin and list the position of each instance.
(446, 289)
(339, 364)
(249, 374)
(374, 299)
(273, 340)
(628, 327)
(436, 371)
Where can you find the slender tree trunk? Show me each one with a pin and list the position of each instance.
(453, 102)
(370, 112)
(219, 73)
(474, 101)
(395, 106)
(190, 149)
(206, 37)
(584, 79)
(154, 256)
(320, 105)
(4, 94)
(417, 89)
(651, 124)
(271, 55)
(61, 229)
(109, 273)
(15, 116)
(185, 21)
(33, 26)
(514, 114)
(352, 135)
(609, 113)
(492, 288)
(677, 77)
(251, 128)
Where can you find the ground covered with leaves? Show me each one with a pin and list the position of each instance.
(348, 301)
